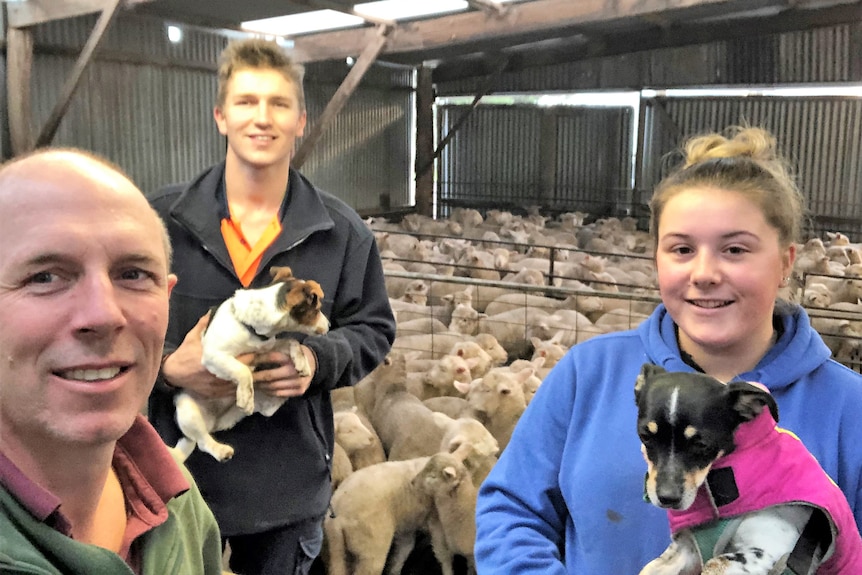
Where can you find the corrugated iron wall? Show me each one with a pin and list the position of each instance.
(827, 54)
(493, 160)
(146, 104)
(821, 137)
(558, 158)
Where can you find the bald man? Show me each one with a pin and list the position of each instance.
(86, 485)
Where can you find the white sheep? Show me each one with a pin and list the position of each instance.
(498, 400)
(375, 508)
(439, 379)
(452, 523)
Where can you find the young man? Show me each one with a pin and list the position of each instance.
(229, 227)
(86, 484)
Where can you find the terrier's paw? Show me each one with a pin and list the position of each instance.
(221, 452)
(245, 397)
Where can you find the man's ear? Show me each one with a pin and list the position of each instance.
(221, 123)
(172, 281)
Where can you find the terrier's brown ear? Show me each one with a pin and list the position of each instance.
(280, 273)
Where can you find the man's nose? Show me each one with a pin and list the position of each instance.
(98, 307)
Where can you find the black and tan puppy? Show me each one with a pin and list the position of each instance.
(727, 474)
(248, 322)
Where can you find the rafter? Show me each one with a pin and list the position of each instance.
(521, 19)
(32, 12)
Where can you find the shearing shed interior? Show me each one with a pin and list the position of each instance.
(504, 153)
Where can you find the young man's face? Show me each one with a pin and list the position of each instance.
(261, 118)
(84, 291)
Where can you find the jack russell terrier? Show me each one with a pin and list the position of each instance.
(743, 496)
(248, 322)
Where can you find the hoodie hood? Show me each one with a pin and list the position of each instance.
(797, 353)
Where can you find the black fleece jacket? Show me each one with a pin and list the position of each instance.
(280, 471)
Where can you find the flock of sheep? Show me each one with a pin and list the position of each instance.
(485, 306)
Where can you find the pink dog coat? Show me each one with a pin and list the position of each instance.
(770, 466)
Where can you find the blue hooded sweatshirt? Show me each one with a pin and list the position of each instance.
(566, 495)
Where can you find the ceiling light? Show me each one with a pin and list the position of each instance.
(407, 9)
(303, 23)
(175, 34)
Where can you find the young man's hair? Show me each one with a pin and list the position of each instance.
(257, 53)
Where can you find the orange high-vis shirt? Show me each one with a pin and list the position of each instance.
(246, 258)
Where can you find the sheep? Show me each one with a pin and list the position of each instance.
(357, 438)
(471, 350)
(438, 380)
(420, 325)
(619, 319)
(433, 345)
(817, 294)
(408, 428)
(532, 383)
(341, 466)
(510, 301)
(402, 245)
(511, 328)
(550, 349)
(465, 319)
(373, 509)
(526, 276)
(452, 523)
(492, 346)
(575, 327)
(498, 400)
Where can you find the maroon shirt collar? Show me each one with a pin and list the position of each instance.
(147, 472)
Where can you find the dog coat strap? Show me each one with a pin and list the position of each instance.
(815, 539)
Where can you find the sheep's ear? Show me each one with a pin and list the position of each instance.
(464, 387)
(748, 400)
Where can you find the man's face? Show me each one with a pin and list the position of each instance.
(84, 294)
(261, 118)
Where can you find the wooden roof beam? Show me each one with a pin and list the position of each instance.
(529, 17)
(33, 12)
(342, 94)
(19, 45)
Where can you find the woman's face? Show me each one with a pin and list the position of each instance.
(720, 265)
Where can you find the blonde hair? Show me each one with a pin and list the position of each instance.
(257, 53)
(745, 162)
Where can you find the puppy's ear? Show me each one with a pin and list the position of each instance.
(280, 273)
(648, 371)
(748, 400)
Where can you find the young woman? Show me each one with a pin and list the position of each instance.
(567, 493)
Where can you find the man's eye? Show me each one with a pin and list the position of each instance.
(136, 274)
(42, 278)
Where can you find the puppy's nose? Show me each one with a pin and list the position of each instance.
(669, 497)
